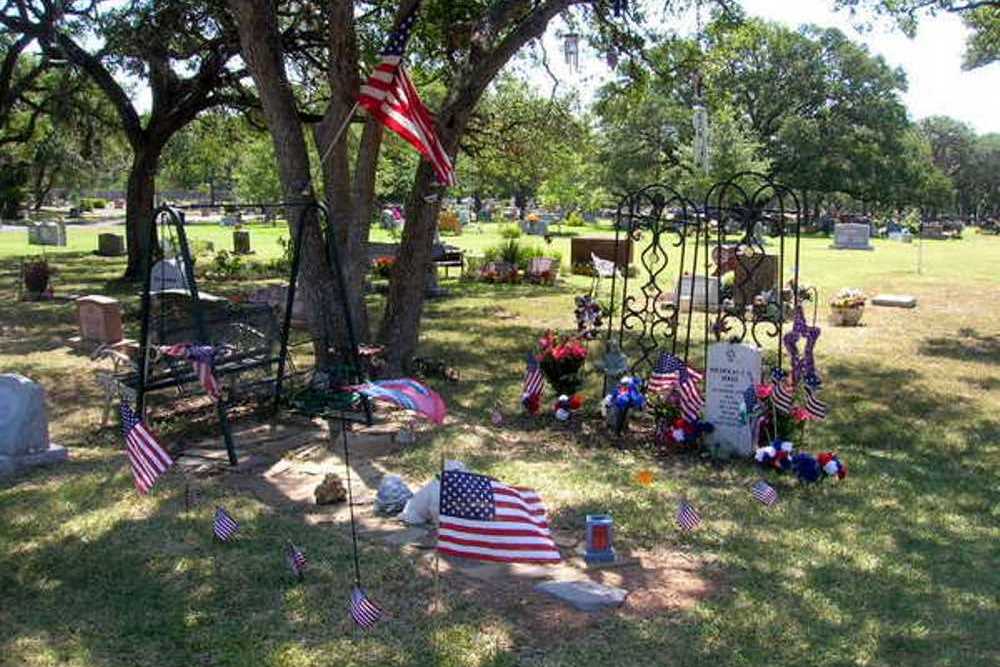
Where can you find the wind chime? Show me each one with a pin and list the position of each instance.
(700, 115)
(571, 50)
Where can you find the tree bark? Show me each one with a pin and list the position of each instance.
(140, 193)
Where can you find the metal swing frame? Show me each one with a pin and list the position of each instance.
(174, 216)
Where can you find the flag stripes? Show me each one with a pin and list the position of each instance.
(146, 456)
(764, 492)
(364, 612)
(224, 526)
(687, 516)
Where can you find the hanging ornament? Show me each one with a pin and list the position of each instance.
(571, 50)
(612, 59)
(701, 138)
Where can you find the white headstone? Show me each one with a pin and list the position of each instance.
(851, 236)
(168, 274)
(24, 425)
(731, 368)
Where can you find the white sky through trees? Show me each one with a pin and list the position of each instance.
(932, 61)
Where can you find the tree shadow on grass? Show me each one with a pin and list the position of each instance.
(965, 345)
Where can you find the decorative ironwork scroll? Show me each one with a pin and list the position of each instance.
(741, 211)
(648, 322)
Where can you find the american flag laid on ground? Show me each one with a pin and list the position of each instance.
(670, 372)
(408, 394)
(534, 381)
(782, 393)
(815, 406)
(484, 519)
(224, 526)
(687, 516)
(145, 455)
(391, 98)
(364, 612)
(296, 560)
(202, 358)
(764, 492)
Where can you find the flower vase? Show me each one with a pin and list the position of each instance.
(849, 316)
(563, 376)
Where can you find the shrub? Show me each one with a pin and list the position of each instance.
(85, 205)
(574, 219)
(99, 203)
(448, 223)
(518, 255)
(226, 265)
(511, 231)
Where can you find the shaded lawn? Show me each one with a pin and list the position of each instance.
(894, 567)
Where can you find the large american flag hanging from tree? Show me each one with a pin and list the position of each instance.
(148, 459)
(391, 98)
(484, 519)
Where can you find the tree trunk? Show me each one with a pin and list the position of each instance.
(139, 199)
(405, 304)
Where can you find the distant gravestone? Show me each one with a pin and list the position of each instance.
(110, 245)
(731, 368)
(168, 274)
(24, 425)
(851, 236)
(932, 230)
(895, 301)
(704, 287)
(99, 318)
(754, 274)
(241, 242)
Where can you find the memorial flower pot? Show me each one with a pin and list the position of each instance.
(846, 316)
(561, 358)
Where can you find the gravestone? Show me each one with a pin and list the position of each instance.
(581, 248)
(932, 230)
(47, 233)
(895, 300)
(584, 594)
(731, 368)
(99, 318)
(241, 242)
(754, 274)
(851, 236)
(110, 245)
(703, 286)
(24, 425)
(168, 274)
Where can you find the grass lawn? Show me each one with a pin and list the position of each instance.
(895, 566)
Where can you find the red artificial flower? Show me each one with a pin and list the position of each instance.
(575, 401)
(763, 391)
(800, 414)
(532, 403)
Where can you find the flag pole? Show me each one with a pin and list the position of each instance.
(437, 552)
(350, 502)
(340, 131)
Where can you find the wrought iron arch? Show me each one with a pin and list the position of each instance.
(648, 320)
(739, 209)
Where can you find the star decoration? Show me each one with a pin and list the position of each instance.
(804, 365)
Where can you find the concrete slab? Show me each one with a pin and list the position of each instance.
(895, 300)
(584, 594)
(54, 454)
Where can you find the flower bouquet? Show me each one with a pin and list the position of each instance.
(673, 430)
(847, 307)
(382, 266)
(561, 358)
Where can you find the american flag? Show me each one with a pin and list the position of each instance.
(534, 381)
(296, 560)
(148, 459)
(484, 519)
(764, 492)
(670, 372)
(782, 393)
(202, 358)
(392, 99)
(224, 526)
(364, 612)
(814, 404)
(687, 516)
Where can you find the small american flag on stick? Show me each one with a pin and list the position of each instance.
(364, 612)
(687, 516)
(145, 455)
(296, 560)
(534, 381)
(764, 492)
(672, 373)
(782, 392)
(391, 98)
(224, 525)
(815, 406)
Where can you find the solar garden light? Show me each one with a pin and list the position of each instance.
(600, 537)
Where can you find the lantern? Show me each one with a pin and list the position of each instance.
(701, 157)
(571, 50)
(600, 539)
